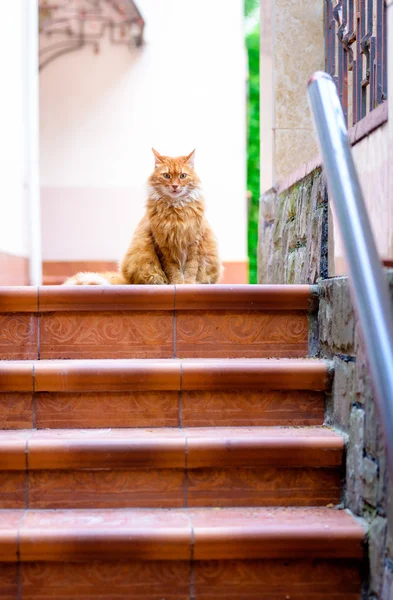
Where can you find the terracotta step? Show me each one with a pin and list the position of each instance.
(179, 534)
(159, 393)
(182, 580)
(170, 468)
(53, 279)
(53, 322)
(180, 554)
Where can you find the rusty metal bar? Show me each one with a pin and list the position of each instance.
(384, 51)
(330, 39)
(359, 75)
(338, 13)
(381, 51)
(360, 29)
(366, 51)
(344, 100)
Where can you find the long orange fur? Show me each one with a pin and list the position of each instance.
(173, 243)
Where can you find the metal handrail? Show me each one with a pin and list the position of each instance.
(369, 288)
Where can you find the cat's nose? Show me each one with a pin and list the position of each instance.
(175, 187)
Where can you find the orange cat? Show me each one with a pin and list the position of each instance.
(173, 243)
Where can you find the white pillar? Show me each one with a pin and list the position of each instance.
(32, 176)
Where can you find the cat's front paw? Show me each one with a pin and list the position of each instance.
(177, 280)
(190, 280)
(158, 280)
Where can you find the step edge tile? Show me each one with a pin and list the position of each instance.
(18, 299)
(16, 376)
(243, 297)
(166, 453)
(90, 375)
(101, 299)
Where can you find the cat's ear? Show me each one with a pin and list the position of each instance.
(190, 159)
(158, 157)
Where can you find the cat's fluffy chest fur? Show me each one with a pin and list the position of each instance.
(176, 227)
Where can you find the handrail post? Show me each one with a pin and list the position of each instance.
(369, 288)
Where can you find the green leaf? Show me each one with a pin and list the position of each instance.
(253, 146)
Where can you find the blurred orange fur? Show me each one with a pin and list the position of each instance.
(89, 278)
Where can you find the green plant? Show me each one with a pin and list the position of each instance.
(251, 8)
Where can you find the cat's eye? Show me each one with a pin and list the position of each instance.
(166, 175)
(183, 175)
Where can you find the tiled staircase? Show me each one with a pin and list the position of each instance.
(164, 443)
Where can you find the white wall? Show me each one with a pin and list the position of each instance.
(101, 114)
(13, 205)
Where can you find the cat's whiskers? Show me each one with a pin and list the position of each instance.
(181, 199)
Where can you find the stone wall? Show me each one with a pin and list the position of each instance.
(351, 409)
(293, 233)
(293, 248)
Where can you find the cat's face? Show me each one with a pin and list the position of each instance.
(174, 178)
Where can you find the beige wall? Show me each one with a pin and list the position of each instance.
(292, 48)
(372, 164)
(101, 114)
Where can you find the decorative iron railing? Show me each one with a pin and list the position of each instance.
(68, 25)
(356, 54)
